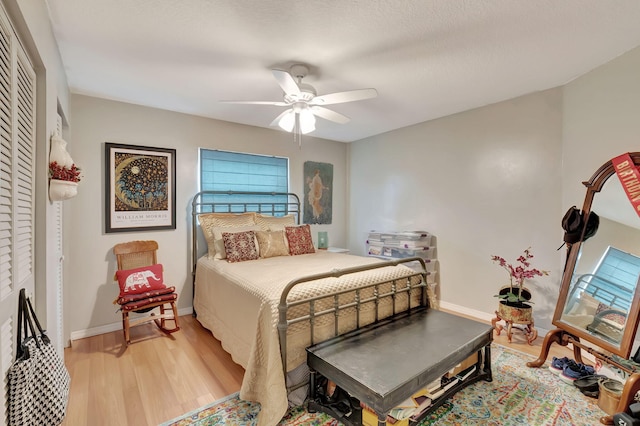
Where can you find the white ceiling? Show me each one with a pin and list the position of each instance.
(426, 58)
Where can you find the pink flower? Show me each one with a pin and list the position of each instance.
(518, 274)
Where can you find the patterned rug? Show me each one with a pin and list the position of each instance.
(518, 395)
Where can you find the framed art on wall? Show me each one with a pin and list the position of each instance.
(318, 179)
(140, 192)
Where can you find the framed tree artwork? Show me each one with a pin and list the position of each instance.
(140, 188)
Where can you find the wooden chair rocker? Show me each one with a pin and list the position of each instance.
(142, 287)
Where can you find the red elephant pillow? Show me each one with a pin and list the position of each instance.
(140, 280)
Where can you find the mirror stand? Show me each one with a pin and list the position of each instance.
(595, 305)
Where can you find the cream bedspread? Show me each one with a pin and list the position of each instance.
(238, 302)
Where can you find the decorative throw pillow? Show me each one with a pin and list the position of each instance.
(146, 295)
(271, 244)
(209, 221)
(240, 246)
(219, 242)
(299, 238)
(614, 315)
(140, 280)
(274, 223)
(141, 304)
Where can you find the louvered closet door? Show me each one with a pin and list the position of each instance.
(17, 159)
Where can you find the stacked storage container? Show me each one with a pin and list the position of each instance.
(400, 245)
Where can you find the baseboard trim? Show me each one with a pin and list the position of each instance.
(108, 328)
(466, 311)
(482, 316)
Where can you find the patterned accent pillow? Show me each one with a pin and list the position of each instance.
(219, 243)
(617, 316)
(299, 238)
(140, 304)
(271, 243)
(209, 221)
(146, 295)
(140, 280)
(240, 246)
(275, 223)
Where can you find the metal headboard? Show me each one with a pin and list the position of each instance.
(270, 203)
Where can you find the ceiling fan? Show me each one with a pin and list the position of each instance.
(304, 104)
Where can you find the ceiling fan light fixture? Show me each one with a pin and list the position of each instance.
(304, 103)
(287, 121)
(307, 121)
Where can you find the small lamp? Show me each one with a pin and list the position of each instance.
(323, 240)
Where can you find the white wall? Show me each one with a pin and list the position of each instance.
(600, 121)
(497, 179)
(484, 182)
(89, 285)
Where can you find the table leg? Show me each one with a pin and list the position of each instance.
(312, 389)
(487, 363)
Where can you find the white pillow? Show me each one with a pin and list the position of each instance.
(275, 223)
(209, 221)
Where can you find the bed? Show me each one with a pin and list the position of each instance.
(267, 310)
(599, 306)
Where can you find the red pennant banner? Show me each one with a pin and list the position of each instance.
(629, 178)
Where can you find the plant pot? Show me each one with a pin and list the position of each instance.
(609, 396)
(60, 190)
(59, 152)
(526, 294)
(515, 313)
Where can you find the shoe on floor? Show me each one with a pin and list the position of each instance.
(576, 370)
(589, 383)
(557, 364)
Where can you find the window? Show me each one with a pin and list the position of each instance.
(234, 171)
(614, 279)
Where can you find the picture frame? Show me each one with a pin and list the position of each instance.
(140, 188)
(318, 193)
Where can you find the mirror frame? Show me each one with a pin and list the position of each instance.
(594, 185)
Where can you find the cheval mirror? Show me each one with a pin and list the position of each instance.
(598, 305)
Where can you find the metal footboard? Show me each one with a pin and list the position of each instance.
(408, 284)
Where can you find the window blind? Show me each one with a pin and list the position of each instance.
(234, 171)
(620, 268)
(614, 277)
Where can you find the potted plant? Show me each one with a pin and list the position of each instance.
(515, 298)
(63, 183)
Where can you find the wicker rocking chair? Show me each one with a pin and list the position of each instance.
(136, 255)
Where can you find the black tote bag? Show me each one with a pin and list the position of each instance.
(38, 379)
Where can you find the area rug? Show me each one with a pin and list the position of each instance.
(518, 395)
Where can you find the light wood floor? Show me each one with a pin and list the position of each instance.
(160, 377)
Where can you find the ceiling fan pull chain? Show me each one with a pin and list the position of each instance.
(297, 131)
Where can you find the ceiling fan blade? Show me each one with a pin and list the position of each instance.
(287, 82)
(330, 115)
(280, 103)
(279, 117)
(342, 97)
